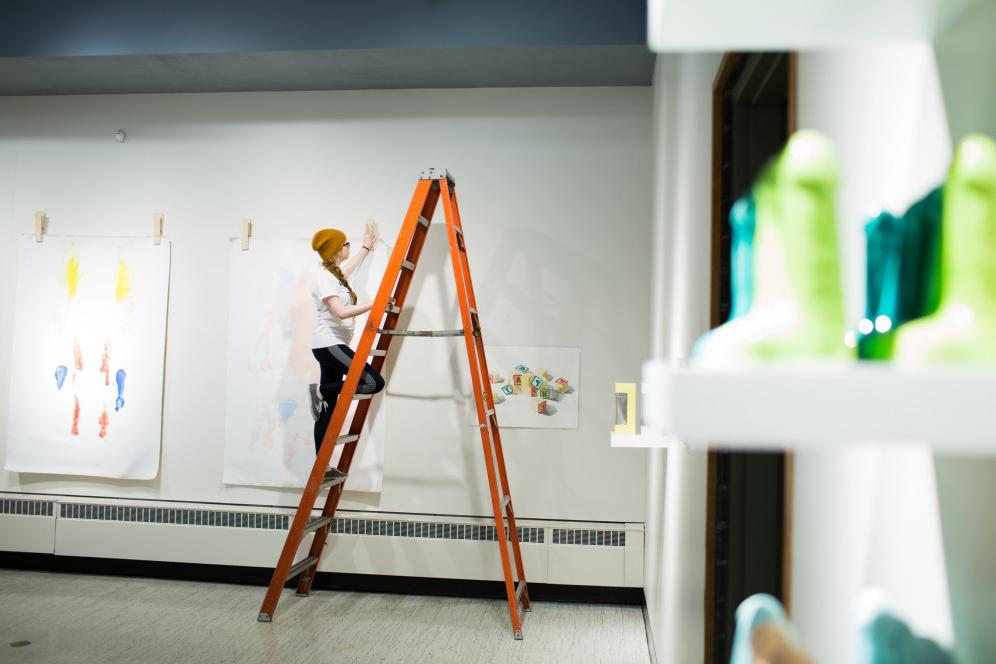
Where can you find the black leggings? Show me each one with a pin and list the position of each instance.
(335, 361)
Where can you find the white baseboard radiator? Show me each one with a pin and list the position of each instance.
(554, 552)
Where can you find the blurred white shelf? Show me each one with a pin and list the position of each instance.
(722, 25)
(646, 438)
(801, 407)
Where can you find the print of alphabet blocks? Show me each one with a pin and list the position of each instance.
(538, 382)
(496, 377)
(521, 368)
(541, 407)
(506, 390)
(561, 385)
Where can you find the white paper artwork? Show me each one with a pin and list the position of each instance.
(86, 379)
(522, 404)
(269, 431)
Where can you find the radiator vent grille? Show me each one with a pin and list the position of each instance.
(584, 537)
(179, 516)
(26, 507)
(430, 530)
(255, 520)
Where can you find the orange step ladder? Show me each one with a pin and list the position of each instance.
(381, 324)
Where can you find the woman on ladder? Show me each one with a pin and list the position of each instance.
(336, 306)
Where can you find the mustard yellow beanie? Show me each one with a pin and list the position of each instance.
(328, 242)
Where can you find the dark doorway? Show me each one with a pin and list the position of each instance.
(749, 494)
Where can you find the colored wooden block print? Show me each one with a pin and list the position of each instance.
(506, 389)
(541, 407)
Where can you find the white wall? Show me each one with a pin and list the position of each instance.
(869, 516)
(555, 193)
(674, 577)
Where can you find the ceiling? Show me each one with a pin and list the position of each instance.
(121, 46)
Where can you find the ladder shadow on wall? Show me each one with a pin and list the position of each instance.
(431, 279)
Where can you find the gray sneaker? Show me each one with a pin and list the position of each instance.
(335, 474)
(317, 403)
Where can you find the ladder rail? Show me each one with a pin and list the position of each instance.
(465, 274)
(302, 515)
(414, 234)
(481, 403)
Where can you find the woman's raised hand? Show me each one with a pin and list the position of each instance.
(370, 235)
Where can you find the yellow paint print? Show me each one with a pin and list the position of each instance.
(72, 275)
(122, 287)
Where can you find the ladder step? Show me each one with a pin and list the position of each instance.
(422, 220)
(408, 265)
(520, 588)
(505, 501)
(349, 438)
(377, 352)
(361, 397)
(490, 412)
(458, 230)
(472, 310)
(422, 333)
(394, 310)
(299, 567)
(315, 524)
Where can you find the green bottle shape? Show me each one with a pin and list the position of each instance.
(796, 309)
(963, 327)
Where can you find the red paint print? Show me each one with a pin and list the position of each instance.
(104, 421)
(78, 355)
(105, 363)
(76, 418)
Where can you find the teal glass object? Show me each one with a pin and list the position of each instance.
(753, 612)
(883, 254)
(885, 639)
(743, 218)
(902, 272)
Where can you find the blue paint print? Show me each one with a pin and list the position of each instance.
(287, 409)
(119, 378)
(60, 375)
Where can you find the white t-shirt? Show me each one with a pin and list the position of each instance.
(330, 330)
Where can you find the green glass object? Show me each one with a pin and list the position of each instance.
(963, 327)
(796, 308)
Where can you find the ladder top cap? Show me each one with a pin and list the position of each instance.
(436, 174)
